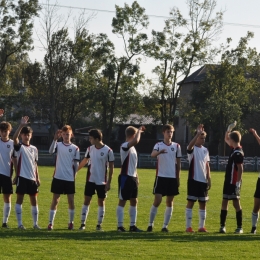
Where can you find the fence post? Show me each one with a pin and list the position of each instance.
(217, 161)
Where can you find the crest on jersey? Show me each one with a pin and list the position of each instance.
(8, 146)
(70, 150)
(101, 154)
(172, 149)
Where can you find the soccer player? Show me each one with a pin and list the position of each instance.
(63, 182)
(98, 156)
(27, 178)
(6, 168)
(167, 178)
(128, 178)
(255, 213)
(233, 179)
(199, 181)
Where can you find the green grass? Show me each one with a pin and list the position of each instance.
(64, 244)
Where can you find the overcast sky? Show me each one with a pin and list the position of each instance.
(244, 15)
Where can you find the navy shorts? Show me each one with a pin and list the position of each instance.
(165, 186)
(26, 186)
(6, 186)
(91, 187)
(197, 190)
(127, 187)
(229, 191)
(257, 189)
(62, 186)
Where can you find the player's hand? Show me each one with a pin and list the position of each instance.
(137, 181)
(107, 186)
(209, 184)
(200, 129)
(1, 112)
(14, 180)
(238, 188)
(57, 134)
(178, 182)
(163, 151)
(142, 129)
(24, 120)
(231, 126)
(252, 130)
(38, 182)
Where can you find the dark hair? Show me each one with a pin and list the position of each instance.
(26, 130)
(4, 126)
(66, 128)
(235, 136)
(130, 131)
(96, 134)
(167, 127)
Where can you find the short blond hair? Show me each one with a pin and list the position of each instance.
(235, 136)
(130, 131)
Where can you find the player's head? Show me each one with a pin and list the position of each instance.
(95, 135)
(66, 133)
(235, 137)
(168, 131)
(201, 138)
(26, 134)
(130, 132)
(5, 129)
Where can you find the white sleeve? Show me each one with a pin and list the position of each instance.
(53, 147)
(156, 147)
(111, 157)
(178, 154)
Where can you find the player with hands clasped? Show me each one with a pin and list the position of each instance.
(7, 157)
(99, 157)
(128, 179)
(27, 177)
(66, 166)
(233, 179)
(167, 178)
(199, 181)
(255, 213)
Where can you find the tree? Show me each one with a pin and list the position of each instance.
(16, 24)
(182, 45)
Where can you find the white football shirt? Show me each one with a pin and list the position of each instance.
(166, 162)
(6, 154)
(64, 165)
(98, 163)
(198, 159)
(27, 157)
(128, 160)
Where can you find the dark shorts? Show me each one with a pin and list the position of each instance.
(62, 186)
(91, 187)
(6, 186)
(127, 187)
(26, 186)
(257, 189)
(165, 186)
(229, 191)
(197, 190)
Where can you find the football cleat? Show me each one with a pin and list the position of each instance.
(149, 229)
(21, 227)
(135, 229)
(121, 229)
(82, 227)
(165, 229)
(36, 227)
(99, 228)
(50, 227)
(70, 226)
(189, 230)
(253, 230)
(4, 225)
(239, 231)
(203, 229)
(222, 230)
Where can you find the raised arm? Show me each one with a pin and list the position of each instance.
(253, 131)
(137, 137)
(24, 122)
(193, 141)
(53, 144)
(229, 129)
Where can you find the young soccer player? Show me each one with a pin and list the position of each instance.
(255, 213)
(27, 178)
(6, 168)
(167, 178)
(98, 156)
(199, 181)
(233, 179)
(63, 182)
(128, 179)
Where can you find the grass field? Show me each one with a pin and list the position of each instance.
(89, 244)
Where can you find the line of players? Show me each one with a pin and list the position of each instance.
(98, 156)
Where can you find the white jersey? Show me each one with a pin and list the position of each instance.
(6, 154)
(128, 160)
(98, 163)
(67, 154)
(166, 162)
(27, 157)
(198, 158)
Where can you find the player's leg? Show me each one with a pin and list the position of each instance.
(34, 210)
(101, 192)
(167, 213)
(223, 215)
(188, 213)
(53, 210)
(255, 213)
(71, 210)
(18, 210)
(238, 208)
(6, 209)
(123, 195)
(203, 198)
(120, 215)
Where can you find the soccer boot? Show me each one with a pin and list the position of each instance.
(135, 229)
(121, 229)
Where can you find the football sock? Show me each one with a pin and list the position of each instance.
(35, 214)
(71, 215)
(6, 212)
(120, 216)
(223, 216)
(239, 218)
(101, 214)
(153, 212)
(254, 219)
(84, 213)
(133, 215)
(202, 218)
(18, 212)
(188, 217)
(167, 216)
(52, 216)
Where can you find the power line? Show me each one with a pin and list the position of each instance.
(150, 15)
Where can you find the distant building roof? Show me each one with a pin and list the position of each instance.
(136, 119)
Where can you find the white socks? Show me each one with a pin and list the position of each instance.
(6, 212)
(254, 219)
(167, 216)
(52, 216)
(84, 213)
(101, 214)
(153, 212)
(202, 217)
(120, 216)
(188, 217)
(18, 212)
(71, 215)
(133, 215)
(35, 214)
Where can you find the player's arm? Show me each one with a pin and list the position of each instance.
(110, 174)
(229, 129)
(155, 152)
(253, 131)
(208, 176)
(178, 170)
(23, 123)
(137, 137)
(83, 163)
(14, 161)
(37, 175)
(239, 172)
(54, 142)
(193, 141)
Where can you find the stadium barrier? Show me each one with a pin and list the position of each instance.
(217, 163)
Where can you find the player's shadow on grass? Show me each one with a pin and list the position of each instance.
(178, 237)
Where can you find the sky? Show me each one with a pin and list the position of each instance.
(240, 16)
